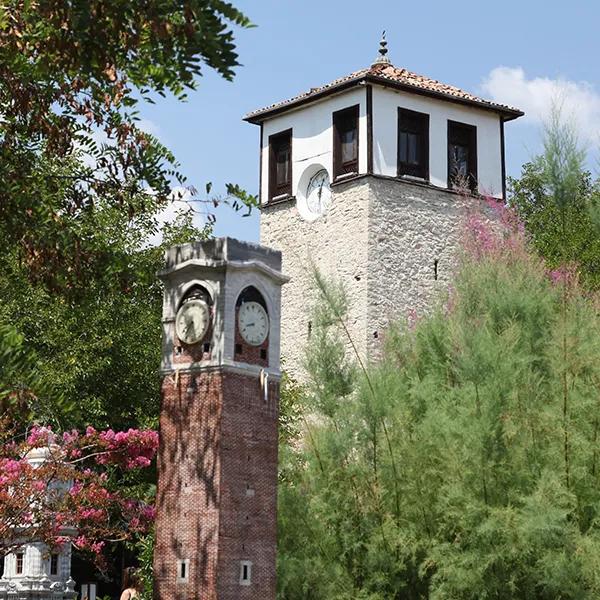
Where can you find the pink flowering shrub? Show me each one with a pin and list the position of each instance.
(497, 234)
(493, 231)
(567, 275)
(57, 488)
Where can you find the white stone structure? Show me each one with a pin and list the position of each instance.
(245, 266)
(32, 571)
(369, 178)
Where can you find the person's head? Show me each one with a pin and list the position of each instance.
(131, 579)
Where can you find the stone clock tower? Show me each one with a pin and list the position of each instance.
(369, 177)
(217, 465)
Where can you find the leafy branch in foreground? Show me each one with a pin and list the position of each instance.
(71, 79)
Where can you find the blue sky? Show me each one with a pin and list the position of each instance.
(523, 53)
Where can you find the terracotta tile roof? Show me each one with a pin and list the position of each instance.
(386, 74)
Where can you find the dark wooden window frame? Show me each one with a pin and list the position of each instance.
(414, 122)
(343, 169)
(279, 190)
(464, 134)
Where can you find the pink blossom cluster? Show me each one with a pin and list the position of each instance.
(70, 437)
(499, 232)
(40, 436)
(566, 274)
(131, 449)
(505, 215)
(505, 235)
(92, 514)
(84, 543)
(70, 489)
(11, 471)
(141, 515)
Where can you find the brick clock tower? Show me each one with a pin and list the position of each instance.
(217, 465)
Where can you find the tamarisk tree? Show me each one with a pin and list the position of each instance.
(466, 463)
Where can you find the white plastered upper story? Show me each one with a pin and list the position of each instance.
(312, 135)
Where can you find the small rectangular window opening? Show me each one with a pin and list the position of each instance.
(462, 156)
(54, 564)
(183, 570)
(435, 269)
(20, 558)
(280, 164)
(345, 141)
(245, 572)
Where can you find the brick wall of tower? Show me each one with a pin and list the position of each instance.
(254, 355)
(248, 523)
(189, 473)
(216, 500)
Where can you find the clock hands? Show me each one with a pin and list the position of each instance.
(190, 323)
(252, 322)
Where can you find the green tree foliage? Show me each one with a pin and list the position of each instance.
(82, 188)
(71, 77)
(19, 383)
(559, 203)
(83, 185)
(96, 352)
(461, 466)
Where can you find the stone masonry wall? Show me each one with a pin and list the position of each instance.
(381, 238)
(414, 237)
(338, 245)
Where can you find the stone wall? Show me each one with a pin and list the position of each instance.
(414, 236)
(337, 244)
(381, 238)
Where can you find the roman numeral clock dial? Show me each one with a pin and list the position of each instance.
(253, 323)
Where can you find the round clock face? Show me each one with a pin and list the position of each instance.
(318, 193)
(192, 321)
(253, 322)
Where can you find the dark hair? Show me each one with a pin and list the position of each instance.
(131, 579)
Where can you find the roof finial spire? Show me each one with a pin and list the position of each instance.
(382, 59)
